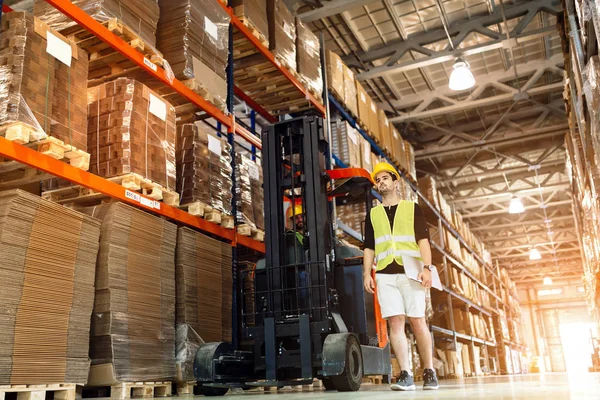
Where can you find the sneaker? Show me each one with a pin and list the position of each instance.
(405, 382)
(430, 381)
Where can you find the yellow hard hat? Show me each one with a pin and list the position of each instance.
(384, 167)
(294, 210)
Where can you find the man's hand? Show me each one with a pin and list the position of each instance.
(369, 283)
(425, 278)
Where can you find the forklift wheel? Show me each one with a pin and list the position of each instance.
(213, 391)
(351, 378)
(327, 383)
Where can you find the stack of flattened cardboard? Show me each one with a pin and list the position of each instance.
(131, 130)
(193, 36)
(204, 290)
(258, 194)
(141, 16)
(309, 59)
(46, 290)
(203, 167)
(282, 33)
(346, 144)
(254, 12)
(335, 75)
(133, 324)
(40, 79)
(243, 189)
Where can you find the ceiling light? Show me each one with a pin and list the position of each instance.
(515, 207)
(461, 77)
(547, 281)
(534, 254)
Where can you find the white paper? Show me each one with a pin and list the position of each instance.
(373, 107)
(211, 28)
(363, 98)
(367, 152)
(253, 171)
(353, 137)
(158, 107)
(58, 48)
(413, 267)
(214, 145)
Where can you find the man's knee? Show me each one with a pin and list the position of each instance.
(418, 324)
(397, 323)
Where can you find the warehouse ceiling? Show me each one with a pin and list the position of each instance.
(503, 137)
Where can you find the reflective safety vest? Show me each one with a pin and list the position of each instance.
(390, 246)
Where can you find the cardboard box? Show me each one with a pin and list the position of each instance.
(466, 360)
(335, 75)
(374, 121)
(385, 132)
(365, 155)
(308, 51)
(364, 104)
(350, 91)
(346, 143)
(254, 12)
(282, 33)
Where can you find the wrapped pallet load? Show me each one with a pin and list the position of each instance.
(141, 16)
(40, 81)
(309, 59)
(46, 291)
(131, 130)
(193, 36)
(364, 107)
(253, 13)
(335, 75)
(350, 91)
(133, 323)
(204, 292)
(346, 143)
(203, 167)
(282, 33)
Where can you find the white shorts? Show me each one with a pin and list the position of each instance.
(399, 295)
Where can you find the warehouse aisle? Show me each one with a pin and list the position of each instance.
(529, 387)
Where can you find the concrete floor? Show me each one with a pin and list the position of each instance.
(525, 387)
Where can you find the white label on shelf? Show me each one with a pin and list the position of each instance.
(147, 202)
(150, 64)
(214, 145)
(253, 171)
(58, 48)
(367, 152)
(373, 107)
(363, 98)
(158, 107)
(156, 205)
(353, 137)
(211, 28)
(132, 195)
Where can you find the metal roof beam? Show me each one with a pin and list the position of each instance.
(505, 209)
(528, 245)
(330, 8)
(517, 223)
(498, 256)
(510, 193)
(459, 32)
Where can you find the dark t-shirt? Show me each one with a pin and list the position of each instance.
(421, 232)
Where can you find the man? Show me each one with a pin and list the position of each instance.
(394, 229)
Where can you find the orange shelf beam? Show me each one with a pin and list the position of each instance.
(63, 170)
(96, 28)
(239, 25)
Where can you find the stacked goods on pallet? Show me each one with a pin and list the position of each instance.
(410, 160)
(374, 120)
(353, 214)
(346, 143)
(203, 286)
(385, 132)
(282, 33)
(350, 91)
(335, 75)
(308, 50)
(46, 291)
(254, 13)
(140, 16)
(131, 130)
(364, 107)
(133, 324)
(40, 78)
(397, 152)
(193, 36)
(258, 194)
(203, 167)
(365, 154)
(249, 191)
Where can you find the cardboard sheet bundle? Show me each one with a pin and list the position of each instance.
(346, 143)
(204, 294)
(203, 167)
(309, 59)
(46, 290)
(40, 79)
(249, 190)
(282, 33)
(141, 16)
(133, 323)
(131, 130)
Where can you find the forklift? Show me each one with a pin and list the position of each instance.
(306, 314)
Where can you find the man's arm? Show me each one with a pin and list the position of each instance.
(368, 259)
(425, 275)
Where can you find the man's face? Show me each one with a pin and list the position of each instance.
(299, 222)
(385, 184)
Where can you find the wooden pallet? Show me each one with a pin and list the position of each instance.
(15, 174)
(60, 391)
(374, 380)
(182, 105)
(242, 47)
(258, 235)
(106, 63)
(185, 388)
(130, 390)
(81, 196)
(252, 232)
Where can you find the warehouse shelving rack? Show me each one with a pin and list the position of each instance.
(491, 280)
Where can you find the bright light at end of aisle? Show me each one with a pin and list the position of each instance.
(547, 281)
(461, 77)
(516, 206)
(534, 254)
